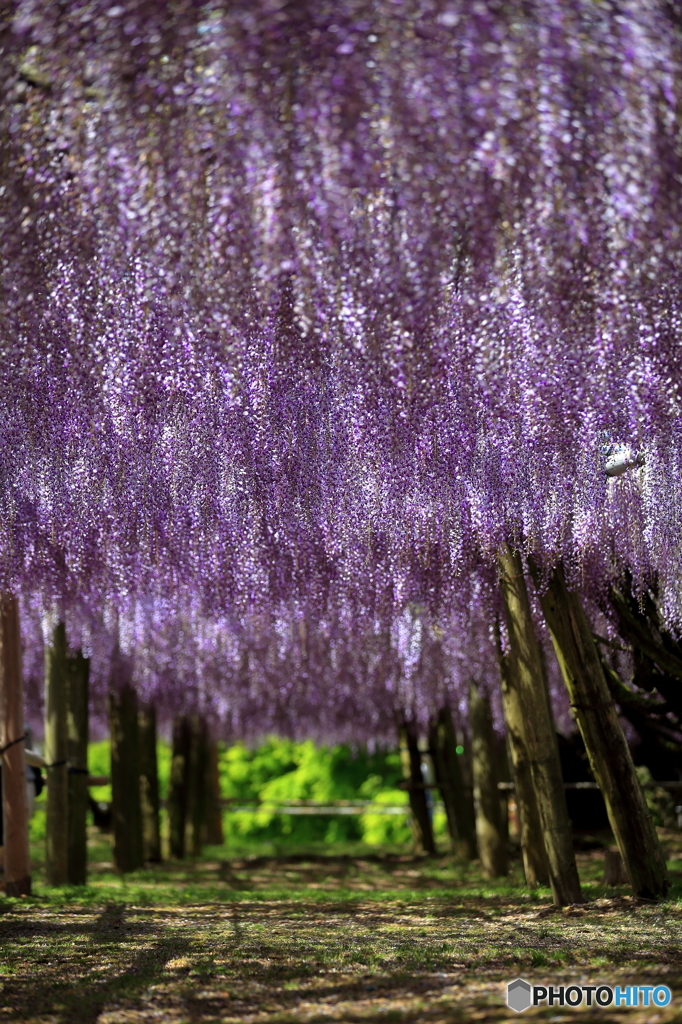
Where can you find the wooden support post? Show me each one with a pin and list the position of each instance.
(214, 814)
(149, 783)
(197, 770)
(77, 749)
(422, 829)
(606, 746)
(14, 807)
(533, 852)
(177, 796)
(614, 869)
(125, 779)
(492, 847)
(56, 755)
(539, 732)
(461, 825)
(464, 760)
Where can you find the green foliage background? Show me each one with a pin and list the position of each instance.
(284, 770)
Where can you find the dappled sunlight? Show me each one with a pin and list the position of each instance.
(311, 937)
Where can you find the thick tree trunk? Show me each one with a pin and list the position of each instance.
(125, 779)
(492, 847)
(214, 814)
(606, 746)
(177, 795)
(197, 772)
(461, 826)
(539, 732)
(77, 748)
(57, 670)
(149, 785)
(14, 807)
(422, 830)
(533, 852)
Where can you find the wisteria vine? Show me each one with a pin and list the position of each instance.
(313, 305)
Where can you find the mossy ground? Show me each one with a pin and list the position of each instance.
(313, 937)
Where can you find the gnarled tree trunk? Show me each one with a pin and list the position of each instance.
(533, 852)
(14, 806)
(461, 825)
(539, 733)
(125, 779)
(606, 746)
(56, 754)
(197, 772)
(177, 794)
(77, 748)
(149, 785)
(490, 833)
(422, 830)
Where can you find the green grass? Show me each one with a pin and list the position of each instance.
(360, 935)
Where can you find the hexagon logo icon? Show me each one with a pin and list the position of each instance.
(518, 995)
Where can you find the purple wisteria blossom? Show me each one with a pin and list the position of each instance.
(307, 307)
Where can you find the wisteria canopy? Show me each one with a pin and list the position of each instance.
(308, 306)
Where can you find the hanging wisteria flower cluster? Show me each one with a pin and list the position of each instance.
(307, 307)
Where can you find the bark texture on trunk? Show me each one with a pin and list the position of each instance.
(14, 807)
(177, 795)
(77, 747)
(214, 813)
(125, 779)
(461, 825)
(533, 852)
(606, 746)
(422, 830)
(492, 846)
(149, 785)
(56, 754)
(539, 732)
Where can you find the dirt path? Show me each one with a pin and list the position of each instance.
(311, 940)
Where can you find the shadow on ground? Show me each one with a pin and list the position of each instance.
(311, 939)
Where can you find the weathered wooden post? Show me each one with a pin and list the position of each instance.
(149, 784)
(14, 807)
(77, 749)
(125, 778)
(606, 746)
(461, 825)
(539, 733)
(492, 847)
(533, 852)
(197, 771)
(56, 755)
(177, 795)
(410, 757)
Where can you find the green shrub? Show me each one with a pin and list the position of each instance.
(378, 828)
(283, 770)
(280, 770)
